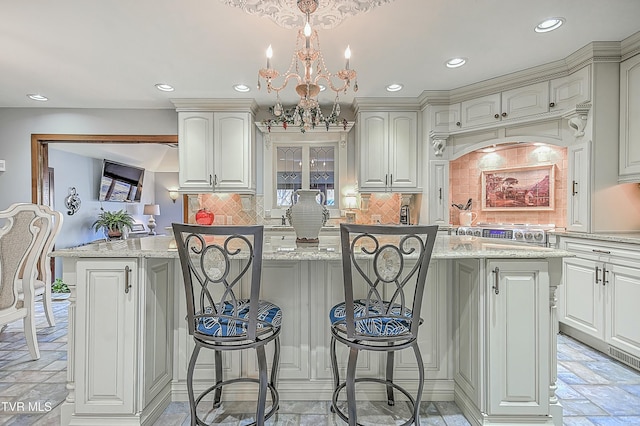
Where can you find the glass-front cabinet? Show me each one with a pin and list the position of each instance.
(315, 159)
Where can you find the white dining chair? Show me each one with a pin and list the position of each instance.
(43, 279)
(23, 232)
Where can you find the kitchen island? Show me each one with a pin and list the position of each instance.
(488, 338)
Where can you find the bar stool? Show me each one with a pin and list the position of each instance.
(387, 317)
(215, 261)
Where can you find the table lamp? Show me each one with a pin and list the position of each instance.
(151, 210)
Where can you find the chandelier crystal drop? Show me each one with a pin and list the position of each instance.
(308, 69)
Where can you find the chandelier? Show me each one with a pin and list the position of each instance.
(306, 59)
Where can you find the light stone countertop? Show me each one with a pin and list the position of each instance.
(285, 248)
(632, 237)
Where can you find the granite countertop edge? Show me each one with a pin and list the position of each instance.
(616, 237)
(446, 247)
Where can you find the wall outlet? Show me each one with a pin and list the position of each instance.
(376, 218)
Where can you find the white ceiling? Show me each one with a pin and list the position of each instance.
(109, 54)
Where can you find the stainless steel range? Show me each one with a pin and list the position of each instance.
(527, 233)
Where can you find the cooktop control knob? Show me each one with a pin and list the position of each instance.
(517, 235)
(477, 232)
(528, 236)
(538, 236)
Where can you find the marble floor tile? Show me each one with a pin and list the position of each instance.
(593, 388)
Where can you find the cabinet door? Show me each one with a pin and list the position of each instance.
(403, 150)
(566, 92)
(622, 314)
(439, 192)
(467, 323)
(105, 340)
(525, 101)
(578, 190)
(629, 169)
(582, 300)
(374, 150)
(479, 111)
(518, 343)
(232, 152)
(195, 151)
(445, 118)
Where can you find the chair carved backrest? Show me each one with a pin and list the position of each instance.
(22, 236)
(213, 281)
(393, 283)
(44, 265)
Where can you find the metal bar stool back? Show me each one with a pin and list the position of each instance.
(220, 265)
(388, 265)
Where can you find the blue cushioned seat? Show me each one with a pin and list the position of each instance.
(376, 324)
(268, 313)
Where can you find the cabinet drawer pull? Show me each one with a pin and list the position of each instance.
(215, 180)
(127, 285)
(605, 274)
(601, 251)
(210, 180)
(597, 279)
(386, 180)
(440, 189)
(391, 180)
(496, 286)
(573, 188)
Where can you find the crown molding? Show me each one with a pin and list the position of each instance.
(630, 46)
(385, 104)
(223, 105)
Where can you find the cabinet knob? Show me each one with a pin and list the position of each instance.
(504, 114)
(552, 104)
(458, 123)
(496, 116)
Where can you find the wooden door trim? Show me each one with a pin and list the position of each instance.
(40, 151)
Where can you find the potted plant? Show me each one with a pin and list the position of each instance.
(113, 223)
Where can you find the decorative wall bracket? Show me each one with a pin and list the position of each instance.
(439, 142)
(577, 118)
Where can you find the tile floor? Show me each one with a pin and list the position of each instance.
(593, 389)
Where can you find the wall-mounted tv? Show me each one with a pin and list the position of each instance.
(120, 182)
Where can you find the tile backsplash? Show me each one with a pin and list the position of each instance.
(228, 209)
(465, 181)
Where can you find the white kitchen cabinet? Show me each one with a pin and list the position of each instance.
(566, 92)
(120, 339)
(597, 303)
(105, 342)
(216, 152)
(501, 318)
(388, 151)
(582, 301)
(629, 167)
(445, 118)
(195, 151)
(517, 350)
(515, 103)
(579, 187)
(621, 308)
(439, 192)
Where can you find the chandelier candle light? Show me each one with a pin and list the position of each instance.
(307, 113)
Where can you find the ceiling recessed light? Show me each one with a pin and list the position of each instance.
(394, 87)
(549, 24)
(37, 97)
(164, 87)
(243, 88)
(455, 62)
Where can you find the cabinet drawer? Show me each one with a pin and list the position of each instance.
(620, 253)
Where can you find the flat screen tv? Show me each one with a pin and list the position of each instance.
(120, 182)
